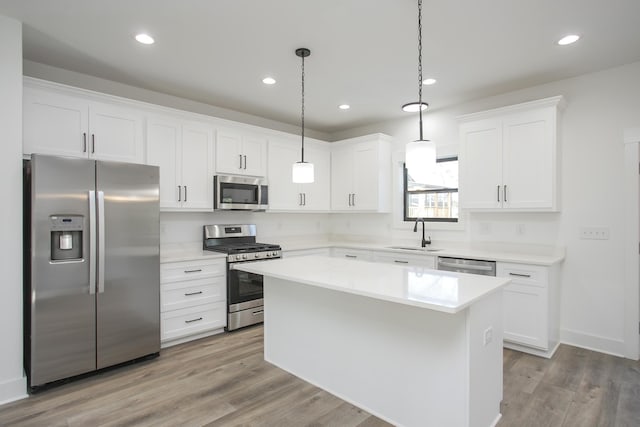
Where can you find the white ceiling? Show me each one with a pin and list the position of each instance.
(363, 52)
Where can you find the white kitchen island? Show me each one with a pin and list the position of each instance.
(413, 346)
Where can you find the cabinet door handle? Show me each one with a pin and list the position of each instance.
(519, 275)
(84, 142)
(350, 199)
(351, 256)
(304, 199)
(257, 312)
(193, 271)
(245, 162)
(93, 143)
(498, 192)
(505, 193)
(188, 294)
(240, 155)
(179, 193)
(400, 262)
(354, 199)
(185, 193)
(193, 320)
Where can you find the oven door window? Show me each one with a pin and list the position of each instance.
(245, 194)
(244, 286)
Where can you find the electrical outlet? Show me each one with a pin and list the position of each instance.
(594, 233)
(487, 337)
(520, 229)
(485, 228)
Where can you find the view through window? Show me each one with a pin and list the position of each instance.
(432, 194)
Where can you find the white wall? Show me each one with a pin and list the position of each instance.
(184, 228)
(12, 381)
(599, 107)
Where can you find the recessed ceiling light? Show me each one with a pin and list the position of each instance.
(428, 81)
(145, 38)
(269, 81)
(344, 106)
(572, 38)
(413, 107)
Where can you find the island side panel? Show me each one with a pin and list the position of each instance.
(485, 360)
(404, 364)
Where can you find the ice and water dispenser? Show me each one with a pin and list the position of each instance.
(66, 237)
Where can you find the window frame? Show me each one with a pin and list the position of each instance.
(406, 193)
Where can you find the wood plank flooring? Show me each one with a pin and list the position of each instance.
(224, 381)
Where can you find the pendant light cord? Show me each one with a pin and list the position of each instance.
(302, 144)
(419, 65)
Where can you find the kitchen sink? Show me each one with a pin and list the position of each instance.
(415, 248)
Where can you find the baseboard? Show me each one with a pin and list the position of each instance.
(593, 342)
(13, 390)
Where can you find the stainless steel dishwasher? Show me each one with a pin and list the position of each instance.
(470, 266)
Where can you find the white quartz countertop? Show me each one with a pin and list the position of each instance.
(415, 286)
(502, 253)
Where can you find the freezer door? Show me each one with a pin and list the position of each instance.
(128, 297)
(59, 299)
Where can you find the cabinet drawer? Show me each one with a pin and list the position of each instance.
(427, 261)
(524, 274)
(351, 253)
(187, 321)
(187, 270)
(189, 293)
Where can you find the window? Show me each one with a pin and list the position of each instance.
(432, 195)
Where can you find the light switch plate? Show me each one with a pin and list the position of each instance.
(594, 233)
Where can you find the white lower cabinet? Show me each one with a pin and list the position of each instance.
(192, 300)
(530, 308)
(427, 261)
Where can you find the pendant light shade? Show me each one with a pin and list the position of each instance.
(302, 172)
(420, 155)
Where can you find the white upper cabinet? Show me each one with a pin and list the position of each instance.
(240, 152)
(508, 158)
(184, 152)
(283, 193)
(61, 121)
(361, 174)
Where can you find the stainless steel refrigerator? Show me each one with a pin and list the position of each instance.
(91, 266)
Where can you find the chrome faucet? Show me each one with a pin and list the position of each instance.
(424, 242)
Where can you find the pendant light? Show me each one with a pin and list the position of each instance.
(302, 172)
(420, 155)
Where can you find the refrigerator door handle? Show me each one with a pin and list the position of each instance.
(92, 242)
(101, 246)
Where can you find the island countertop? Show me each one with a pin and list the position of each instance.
(415, 286)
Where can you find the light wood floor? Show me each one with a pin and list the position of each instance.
(223, 381)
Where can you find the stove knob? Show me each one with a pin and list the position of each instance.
(244, 256)
(256, 255)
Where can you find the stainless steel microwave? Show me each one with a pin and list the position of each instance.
(240, 193)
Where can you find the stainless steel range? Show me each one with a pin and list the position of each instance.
(244, 290)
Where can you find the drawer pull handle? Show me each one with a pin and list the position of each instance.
(400, 262)
(519, 275)
(192, 293)
(193, 320)
(193, 271)
(351, 256)
(255, 313)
